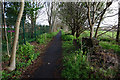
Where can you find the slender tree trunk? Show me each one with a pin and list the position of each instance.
(32, 30)
(11, 38)
(12, 61)
(118, 34)
(6, 32)
(50, 26)
(73, 32)
(99, 22)
(118, 29)
(107, 6)
(77, 34)
(90, 21)
(91, 31)
(3, 33)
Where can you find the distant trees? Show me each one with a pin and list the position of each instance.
(80, 15)
(32, 11)
(16, 36)
(51, 9)
(73, 14)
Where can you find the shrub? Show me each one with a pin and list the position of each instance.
(41, 38)
(68, 37)
(45, 37)
(26, 52)
(26, 49)
(24, 57)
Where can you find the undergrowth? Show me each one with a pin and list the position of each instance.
(24, 57)
(75, 64)
(42, 39)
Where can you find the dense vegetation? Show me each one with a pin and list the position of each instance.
(90, 50)
(25, 56)
(76, 64)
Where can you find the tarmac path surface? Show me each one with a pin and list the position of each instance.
(50, 59)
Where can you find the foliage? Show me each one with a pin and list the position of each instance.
(25, 55)
(25, 49)
(45, 37)
(74, 16)
(74, 62)
(108, 45)
(76, 66)
(67, 37)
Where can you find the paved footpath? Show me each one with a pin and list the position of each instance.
(51, 56)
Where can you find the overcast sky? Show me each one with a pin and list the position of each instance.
(110, 20)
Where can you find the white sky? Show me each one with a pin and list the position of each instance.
(114, 19)
(110, 20)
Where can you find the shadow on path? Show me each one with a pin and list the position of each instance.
(51, 56)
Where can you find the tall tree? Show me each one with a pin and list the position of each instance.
(5, 26)
(118, 29)
(74, 15)
(51, 8)
(95, 13)
(32, 11)
(13, 61)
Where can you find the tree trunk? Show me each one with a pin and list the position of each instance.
(50, 28)
(118, 29)
(118, 34)
(77, 34)
(11, 38)
(73, 32)
(91, 31)
(107, 6)
(32, 30)
(12, 61)
(3, 33)
(90, 21)
(6, 37)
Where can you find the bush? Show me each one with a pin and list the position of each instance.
(75, 64)
(67, 37)
(26, 52)
(24, 57)
(25, 49)
(45, 37)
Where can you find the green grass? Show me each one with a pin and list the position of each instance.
(109, 45)
(107, 40)
(42, 39)
(75, 64)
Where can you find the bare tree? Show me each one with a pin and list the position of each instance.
(51, 9)
(96, 11)
(13, 61)
(74, 15)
